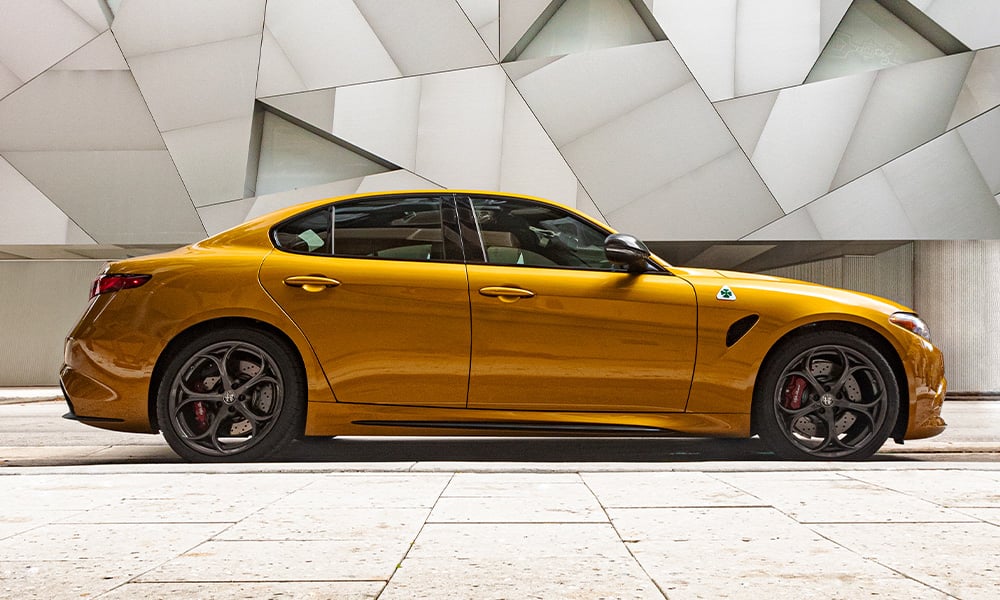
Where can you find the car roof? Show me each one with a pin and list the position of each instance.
(256, 231)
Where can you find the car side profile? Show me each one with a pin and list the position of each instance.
(452, 312)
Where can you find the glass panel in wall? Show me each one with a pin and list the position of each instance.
(292, 157)
(581, 25)
(870, 38)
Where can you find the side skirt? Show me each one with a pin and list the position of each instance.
(335, 418)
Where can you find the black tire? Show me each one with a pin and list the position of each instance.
(231, 395)
(826, 395)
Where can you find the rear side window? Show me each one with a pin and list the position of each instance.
(389, 228)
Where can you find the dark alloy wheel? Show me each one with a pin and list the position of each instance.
(232, 394)
(826, 395)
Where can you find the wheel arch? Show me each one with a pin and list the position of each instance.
(185, 336)
(873, 337)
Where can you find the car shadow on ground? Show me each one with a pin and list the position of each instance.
(541, 450)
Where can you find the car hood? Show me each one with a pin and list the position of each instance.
(712, 279)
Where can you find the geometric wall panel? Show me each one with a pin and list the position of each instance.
(980, 138)
(943, 189)
(37, 34)
(974, 22)
(871, 37)
(80, 110)
(584, 25)
(485, 17)
(306, 42)
(517, 18)
(647, 145)
(462, 129)
(147, 126)
(292, 157)
(170, 47)
(741, 47)
(100, 54)
(747, 116)
(28, 217)
(145, 27)
(116, 196)
(981, 91)
(314, 108)
(99, 156)
(822, 135)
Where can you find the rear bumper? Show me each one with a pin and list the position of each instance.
(97, 398)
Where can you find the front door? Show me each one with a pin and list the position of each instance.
(556, 328)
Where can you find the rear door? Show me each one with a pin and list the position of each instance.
(379, 288)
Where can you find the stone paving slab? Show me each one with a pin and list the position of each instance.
(331, 530)
(744, 552)
(951, 488)
(242, 590)
(961, 559)
(663, 490)
(835, 500)
(283, 560)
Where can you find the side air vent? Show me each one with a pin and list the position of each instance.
(740, 328)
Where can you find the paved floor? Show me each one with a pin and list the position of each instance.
(88, 515)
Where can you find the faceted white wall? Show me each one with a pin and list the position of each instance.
(138, 124)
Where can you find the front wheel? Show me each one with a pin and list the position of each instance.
(230, 395)
(826, 395)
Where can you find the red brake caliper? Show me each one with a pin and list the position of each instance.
(200, 416)
(794, 389)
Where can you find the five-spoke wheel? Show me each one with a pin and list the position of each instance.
(826, 395)
(230, 394)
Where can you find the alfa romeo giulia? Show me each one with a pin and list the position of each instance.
(463, 313)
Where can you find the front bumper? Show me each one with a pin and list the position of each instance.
(925, 370)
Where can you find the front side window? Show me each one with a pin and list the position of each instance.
(398, 228)
(520, 232)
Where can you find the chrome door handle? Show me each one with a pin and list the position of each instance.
(311, 283)
(506, 294)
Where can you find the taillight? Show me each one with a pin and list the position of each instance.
(113, 283)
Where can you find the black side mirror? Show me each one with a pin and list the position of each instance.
(627, 251)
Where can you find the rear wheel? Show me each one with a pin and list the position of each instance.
(826, 395)
(230, 395)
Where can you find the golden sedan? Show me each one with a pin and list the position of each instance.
(462, 312)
